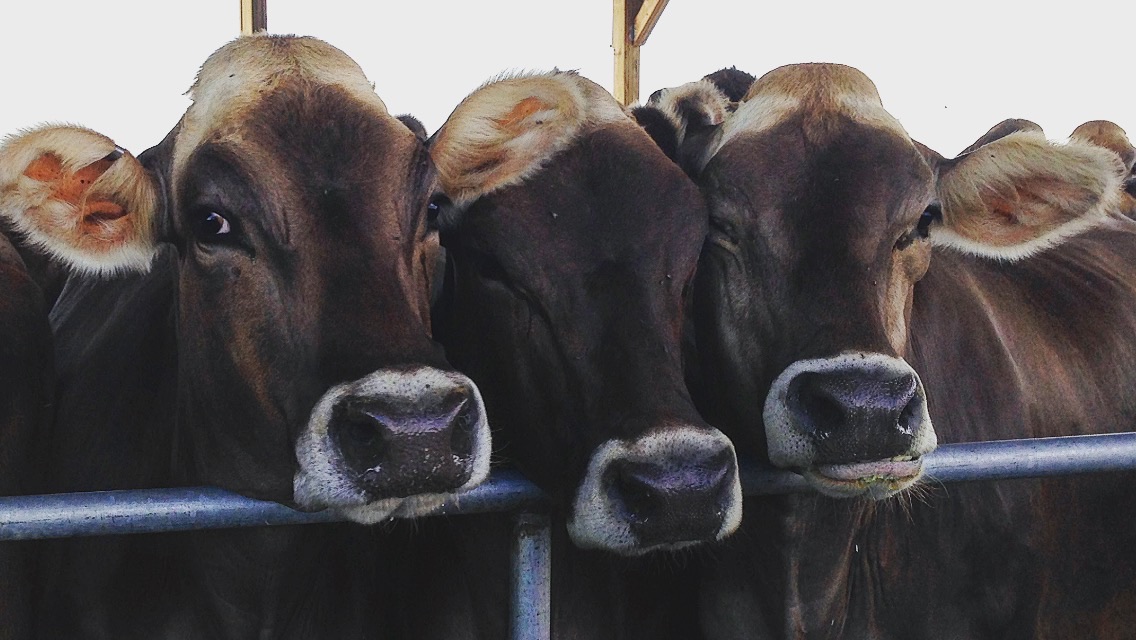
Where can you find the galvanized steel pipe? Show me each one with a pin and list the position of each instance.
(154, 510)
(994, 460)
(532, 577)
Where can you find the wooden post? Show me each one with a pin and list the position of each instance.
(626, 53)
(632, 23)
(646, 19)
(254, 16)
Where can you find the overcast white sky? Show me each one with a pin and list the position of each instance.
(947, 70)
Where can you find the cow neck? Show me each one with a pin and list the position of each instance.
(291, 583)
(816, 567)
(998, 323)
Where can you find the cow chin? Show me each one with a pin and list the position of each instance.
(853, 425)
(396, 443)
(874, 480)
(672, 488)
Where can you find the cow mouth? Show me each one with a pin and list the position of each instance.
(876, 480)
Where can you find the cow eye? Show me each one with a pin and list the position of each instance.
(435, 210)
(922, 229)
(933, 213)
(208, 225)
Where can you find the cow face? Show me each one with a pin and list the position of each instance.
(823, 218)
(299, 208)
(572, 241)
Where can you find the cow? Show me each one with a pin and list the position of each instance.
(26, 404)
(250, 310)
(571, 242)
(856, 285)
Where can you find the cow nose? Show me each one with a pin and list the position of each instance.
(853, 414)
(669, 488)
(669, 503)
(852, 423)
(397, 451)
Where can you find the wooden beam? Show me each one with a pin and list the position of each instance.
(646, 19)
(254, 16)
(626, 53)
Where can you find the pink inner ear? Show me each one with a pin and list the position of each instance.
(524, 109)
(69, 189)
(45, 168)
(73, 188)
(102, 211)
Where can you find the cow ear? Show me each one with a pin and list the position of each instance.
(1001, 130)
(80, 197)
(415, 125)
(662, 129)
(1109, 135)
(1021, 194)
(696, 110)
(508, 129)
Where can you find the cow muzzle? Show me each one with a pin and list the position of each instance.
(395, 443)
(854, 424)
(666, 490)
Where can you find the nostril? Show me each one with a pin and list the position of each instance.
(635, 494)
(362, 431)
(818, 404)
(462, 430)
(911, 416)
(362, 439)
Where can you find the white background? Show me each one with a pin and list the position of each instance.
(947, 70)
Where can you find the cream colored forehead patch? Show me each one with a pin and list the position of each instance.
(825, 91)
(238, 74)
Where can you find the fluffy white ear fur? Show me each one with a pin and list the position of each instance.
(64, 189)
(1021, 194)
(508, 129)
(699, 100)
(1108, 135)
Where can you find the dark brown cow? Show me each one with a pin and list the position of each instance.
(855, 286)
(572, 241)
(27, 384)
(280, 346)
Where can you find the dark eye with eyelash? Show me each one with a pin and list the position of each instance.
(435, 210)
(922, 230)
(209, 225)
(933, 213)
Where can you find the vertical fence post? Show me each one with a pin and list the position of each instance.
(254, 16)
(532, 577)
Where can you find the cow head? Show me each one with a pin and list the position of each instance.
(300, 211)
(572, 242)
(824, 216)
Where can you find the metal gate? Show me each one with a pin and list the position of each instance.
(161, 510)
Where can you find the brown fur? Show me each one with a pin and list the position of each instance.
(811, 256)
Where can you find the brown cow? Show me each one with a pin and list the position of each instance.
(572, 241)
(279, 346)
(27, 384)
(856, 285)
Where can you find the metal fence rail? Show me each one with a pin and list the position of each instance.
(157, 510)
